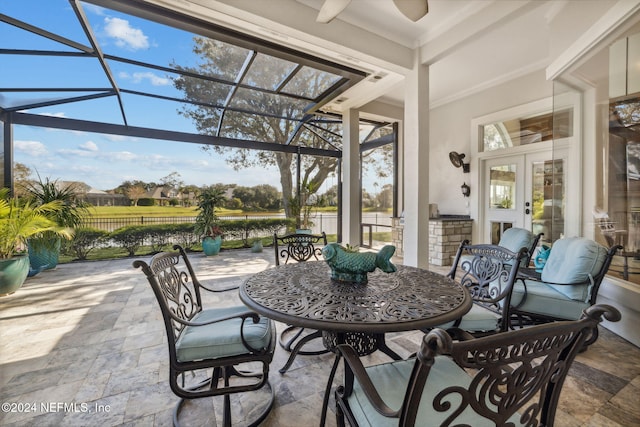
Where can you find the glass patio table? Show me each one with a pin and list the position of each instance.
(304, 295)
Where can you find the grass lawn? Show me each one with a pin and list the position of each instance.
(165, 211)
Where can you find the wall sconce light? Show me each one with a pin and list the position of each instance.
(466, 190)
(457, 160)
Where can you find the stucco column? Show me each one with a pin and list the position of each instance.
(416, 166)
(351, 178)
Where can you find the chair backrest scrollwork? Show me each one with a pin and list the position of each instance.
(299, 247)
(516, 374)
(176, 288)
(489, 273)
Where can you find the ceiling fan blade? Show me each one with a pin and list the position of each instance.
(412, 9)
(330, 9)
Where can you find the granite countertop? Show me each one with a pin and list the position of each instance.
(451, 218)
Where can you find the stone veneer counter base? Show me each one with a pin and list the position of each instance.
(445, 234)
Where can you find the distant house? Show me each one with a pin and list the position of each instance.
(103, 198)
(94, 196)
(162, 194)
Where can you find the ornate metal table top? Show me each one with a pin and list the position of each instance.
(304, 295)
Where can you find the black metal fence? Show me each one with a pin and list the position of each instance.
(321, 222)
(110, 224)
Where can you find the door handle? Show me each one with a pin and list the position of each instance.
(527, 211)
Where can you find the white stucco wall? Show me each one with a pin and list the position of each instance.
(451, 131)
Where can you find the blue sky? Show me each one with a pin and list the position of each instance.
(105, 161)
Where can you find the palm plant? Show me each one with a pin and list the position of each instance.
(44, 248)
(21, 220)
(72, 212)
(208, 200)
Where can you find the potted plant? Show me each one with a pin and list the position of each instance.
(20, 220)
(44, 248)
(206, 221)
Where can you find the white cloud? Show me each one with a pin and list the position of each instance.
(32, 148)
(66, 152)
(53, 114)
(125, 35)
(109, 157)
(121, 156)
(89, 146)
(154, 79)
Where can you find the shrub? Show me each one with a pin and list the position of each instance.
(146, 201)
(247, 229)
(130, 237)
(158, 236)
(184, 235)
(84, 241)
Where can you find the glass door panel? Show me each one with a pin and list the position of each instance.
(547, 198)
(502, 186)
(503, 198)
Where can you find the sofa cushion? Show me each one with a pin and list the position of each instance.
(573, 261)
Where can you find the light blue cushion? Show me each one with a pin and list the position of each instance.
(515, 239)
(221, 339)
(478, 319)
(574, 260)
(545, 299)
(391, 381)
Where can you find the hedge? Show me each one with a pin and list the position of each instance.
(160, 236)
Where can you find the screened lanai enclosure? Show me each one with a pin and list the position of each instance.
(134, 69)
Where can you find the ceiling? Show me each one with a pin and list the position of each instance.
(470, 45)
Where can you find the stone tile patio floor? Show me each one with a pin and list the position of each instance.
(84, 345)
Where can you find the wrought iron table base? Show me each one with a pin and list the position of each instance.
(296, 350)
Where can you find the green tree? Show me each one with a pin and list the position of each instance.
(134, 193)
(246, 195)
(224, 61)
(124, 187)
(21, 174)
(173, 180)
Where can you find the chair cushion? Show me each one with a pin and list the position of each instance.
(571, 261)
(221, 339)
(478, 319)
(545, 299)
(391, 381)
(515, 239)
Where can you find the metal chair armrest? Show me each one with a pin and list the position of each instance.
(232, 288)
(353, 363)
(460, 334)
(244, 315)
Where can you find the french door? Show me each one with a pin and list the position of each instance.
(525, 190)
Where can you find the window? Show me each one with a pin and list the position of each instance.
(527, 130)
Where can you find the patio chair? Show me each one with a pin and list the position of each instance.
(208, 348)
(566, 286)
(512, 378)
(298, 247)
(488, 272)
